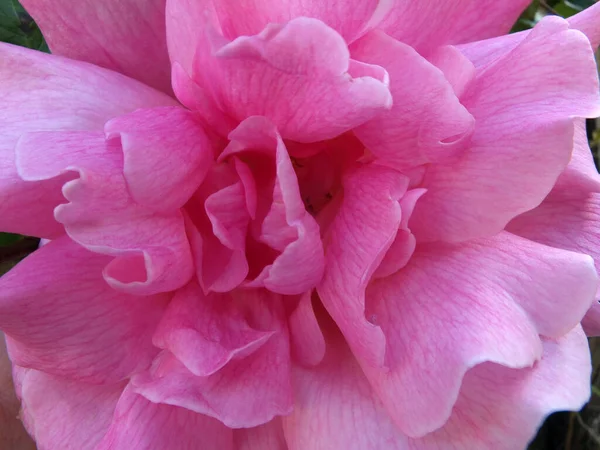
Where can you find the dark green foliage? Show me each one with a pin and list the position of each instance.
(17, 27)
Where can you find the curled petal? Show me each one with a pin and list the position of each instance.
(152, 251)
(286, 226)
(298, 75)
(43, 92)
(306, 338)
(106, 340)
(522, 106)
(459, 306)
(427, 123)
(166, 155)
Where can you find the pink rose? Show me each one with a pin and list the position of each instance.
(300, 225)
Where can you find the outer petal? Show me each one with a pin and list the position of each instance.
(65, 414)
(166, 155)
(427, 123)
(523, 107)
(427, 24)
(65, 320)
(299, 75)
(350, 18)
(143, 425)
(306, 338)
(250, 389)
(127, 36)
(43, 92)
(463, 305)
(587, 22)
(498, 408)
(152, 249)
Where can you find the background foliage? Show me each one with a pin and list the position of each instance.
(562, 431)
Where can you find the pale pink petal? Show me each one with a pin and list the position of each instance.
(427, 24)
(501, 409)
(62, 414)
(454, 307)
(335, 408)
(286, 225)
(456, 67)
(64, 319)
(127, 36)
(151, 249)
(141, 425)
(43, 92)
(587, 22)
(166, 155)
(358, 239)
(498, 408)
(523, 104)
(207, 332)
(427, 123)
(254, 384)
(350, 18)
(299, 75)
(306, 338)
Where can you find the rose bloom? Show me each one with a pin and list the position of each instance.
(301, 225)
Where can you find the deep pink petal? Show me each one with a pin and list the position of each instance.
(286, 226)
(250, 389)
(265, 437)
(64, 319)
(151, 249)
(64, 414)
(523, 105)
(141, 425)
(127, 36)
(299, 75)
(350, 18)
(358, 240)
(207, 332)
(427, 24)
(166, 155)
(427, 123)
(43, 92)
(463, 305)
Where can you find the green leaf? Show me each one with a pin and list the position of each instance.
(9, 239)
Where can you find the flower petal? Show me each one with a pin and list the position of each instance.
(358, 240)
(427, 123)
(299, 75)
(335, 407)
(64, 319)
(152, 250)
(265, 437)
(465, 304)
(66, 414)
(166, 155)
(230, 394)
(143, 425)
(350, 18)
(587, 22)
(127, 36)
(306, 337)
(44, 92)
(523, 106)
(286, 225)
(427, 24)
(207, 332)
